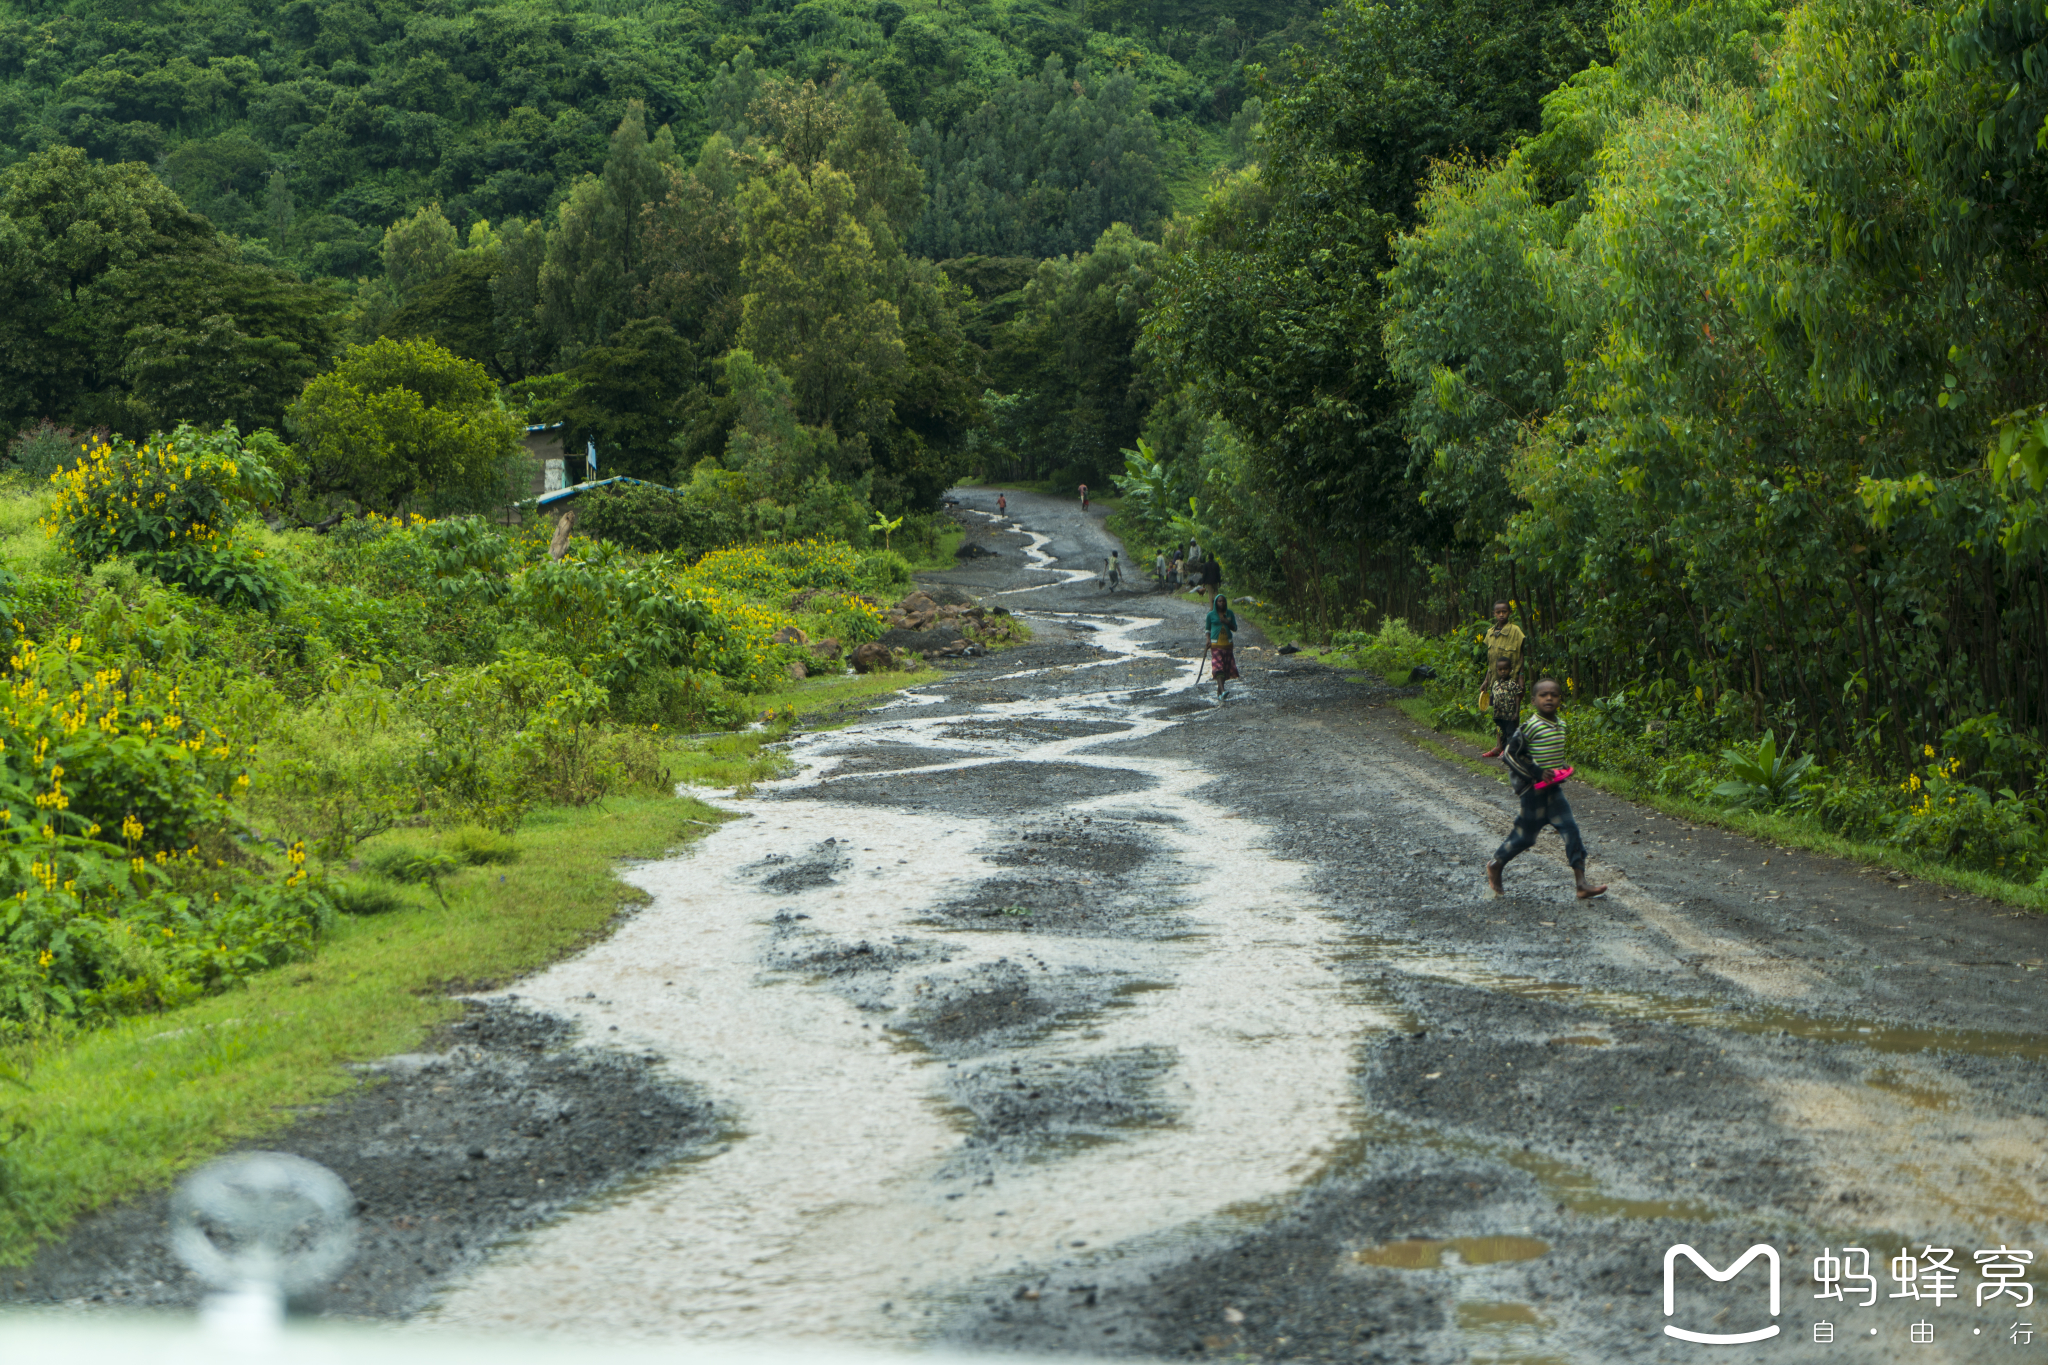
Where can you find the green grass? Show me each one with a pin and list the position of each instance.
(1777, 829)
(944, 548)
(125, 1109)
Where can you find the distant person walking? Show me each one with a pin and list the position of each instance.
(1159, 567)
(1084, 497)
(1222, 652)
(1002, 504)
(1212, 574)
(1535, 757)
(1504, 644)
(1113, 572)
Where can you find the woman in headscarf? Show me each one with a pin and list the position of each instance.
(1222, 655)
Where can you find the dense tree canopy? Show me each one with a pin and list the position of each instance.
(121, 308)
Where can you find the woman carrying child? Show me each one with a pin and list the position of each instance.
(1222, 654)
(1535, 756)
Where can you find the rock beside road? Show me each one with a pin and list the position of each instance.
(944, 622)
(873, 657)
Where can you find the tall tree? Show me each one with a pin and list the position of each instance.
(815, 306)
(594, 276)
(1270, 311)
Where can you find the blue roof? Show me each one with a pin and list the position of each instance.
(564, 494)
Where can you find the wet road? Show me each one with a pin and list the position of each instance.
(1057, 1007)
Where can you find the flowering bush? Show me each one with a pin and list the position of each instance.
(848, 619)
(1938, 813)
(171, 503)
(109, 800)
(779, 570)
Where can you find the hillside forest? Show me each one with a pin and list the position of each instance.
(1703, 332)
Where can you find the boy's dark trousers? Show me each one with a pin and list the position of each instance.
(1540, 808)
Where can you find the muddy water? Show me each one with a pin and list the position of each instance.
(830, 1211)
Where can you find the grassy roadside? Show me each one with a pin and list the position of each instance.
(1782, 831)
(125, 1109)
(944, 548)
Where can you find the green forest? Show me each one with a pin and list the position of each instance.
(201, 206)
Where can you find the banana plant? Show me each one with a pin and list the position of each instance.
(885, 525)
(1761, 775)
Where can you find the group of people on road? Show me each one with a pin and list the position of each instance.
(1187, 570)
(1533, 750)
(1532, 747)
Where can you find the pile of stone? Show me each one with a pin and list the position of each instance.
(945, 623)
(932, 623)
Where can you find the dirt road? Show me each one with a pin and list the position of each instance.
(1057, 1007)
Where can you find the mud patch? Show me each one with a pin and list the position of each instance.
(1081, 844)
(1047, 1107)
(447, 1152)
(1060, 903)
(1005, 1004)
(881, 758)
(783, 875)
(983, 789)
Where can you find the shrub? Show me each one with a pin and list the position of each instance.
(187, 489)
(171, 503)
(364, 896)
(640, 517)
(399, 419)
(1393, 651)
(92, 748)
(345, 768)
(850, 620)
(45, 449)
(1762, 775)
(775, 571)
(479, 847)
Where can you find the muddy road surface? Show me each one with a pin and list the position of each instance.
(1057, 1007)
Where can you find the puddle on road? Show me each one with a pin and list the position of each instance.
(1421, 1253)
(1041, 562)
(1413, 959)
(834, 1206)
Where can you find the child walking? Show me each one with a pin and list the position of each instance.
(1504, 641)
(1534, 754)
(1504, 695)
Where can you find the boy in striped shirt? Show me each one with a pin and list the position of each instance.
(1535, 758)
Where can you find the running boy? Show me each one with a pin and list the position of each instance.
(1535, 755)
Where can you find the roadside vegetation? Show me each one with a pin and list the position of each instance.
(269, 794)
(1937, 823)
